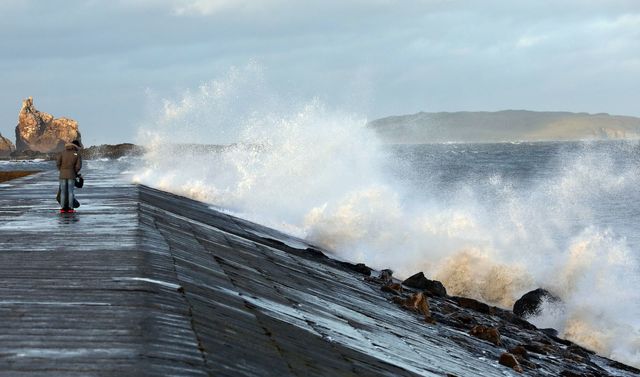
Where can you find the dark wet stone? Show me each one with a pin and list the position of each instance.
(508, 316)
(529, 303)
(416, 302)
(580, 350)
(386, 276)
(522, 323)
(559, 340)
(472, 304)
(358, 267)
(573, 357)
(490, 334)
(280, 245)
(394, 288)
(510, 361)
(550, 332)
(519, 351)
(464, 319)
(419, 281)
(316, 253)
(537, 348)
(569, 373)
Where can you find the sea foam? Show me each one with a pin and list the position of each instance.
(321, 174)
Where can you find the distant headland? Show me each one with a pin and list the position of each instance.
(504, 126)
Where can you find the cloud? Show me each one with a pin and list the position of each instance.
(625, 22)
(530, 41)
(13, 5)
(208, 7)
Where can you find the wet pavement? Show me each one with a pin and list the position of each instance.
(140, 282)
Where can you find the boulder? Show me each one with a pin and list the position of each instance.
(510, 361)
(394, 288)
(519, 351)
(508, 316)
(539, 348)
(472, 304)
(41, 132)
(529, 304)
(6, 146)
(490, 334)
(551, 332)
(386, 276)
(359, 267)
(417, 302)
(419, 281)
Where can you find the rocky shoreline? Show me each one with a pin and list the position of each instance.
(108, 151)
(508, 338)
(111, 151)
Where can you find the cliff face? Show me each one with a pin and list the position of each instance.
(510, 125)
(41, 132)
(6, 146)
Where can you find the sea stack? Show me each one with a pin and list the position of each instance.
(41, 132)
(6, 146)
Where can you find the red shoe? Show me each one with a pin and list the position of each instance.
(71, 211)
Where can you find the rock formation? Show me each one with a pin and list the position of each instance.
(511, 361)
(41, 132)
(416, 302)
(112, 152)
(433, 287)
(490, 334)
(395, 288)
(6, 146)
(497, 334)
(529, 304)
(358, 267)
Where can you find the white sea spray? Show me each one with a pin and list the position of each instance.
(321, 174)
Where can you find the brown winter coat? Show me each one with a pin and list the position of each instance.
(69, 162)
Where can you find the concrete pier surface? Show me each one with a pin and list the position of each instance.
(140, 282)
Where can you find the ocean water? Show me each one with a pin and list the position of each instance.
(26, 165)
(593, 182)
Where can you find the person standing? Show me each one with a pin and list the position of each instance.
(69, 163)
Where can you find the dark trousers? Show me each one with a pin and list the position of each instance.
(67, 187)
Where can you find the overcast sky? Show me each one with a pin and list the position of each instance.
(96, 60)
